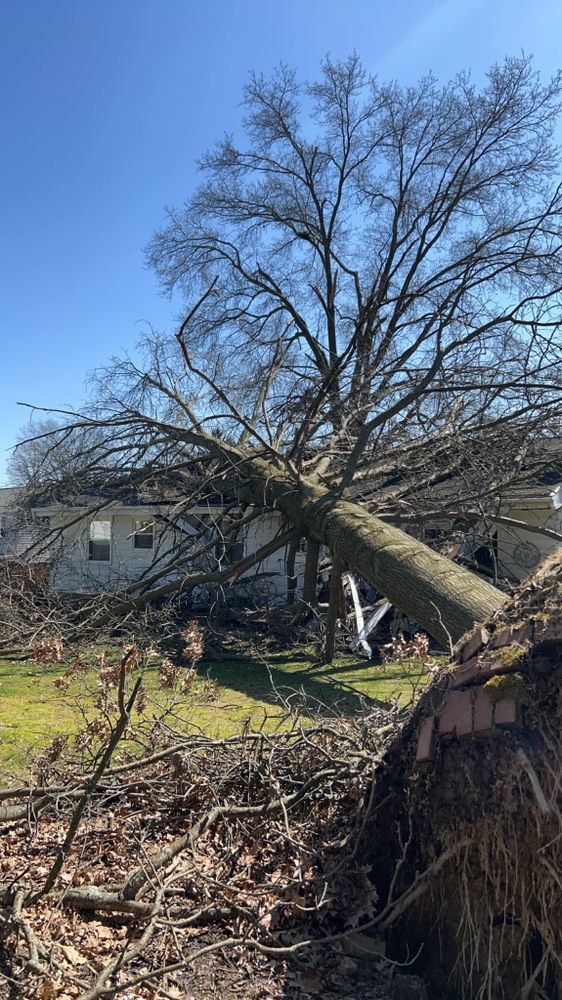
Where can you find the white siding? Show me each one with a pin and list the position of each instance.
(273, 568)
(517, 547)
(73, 571)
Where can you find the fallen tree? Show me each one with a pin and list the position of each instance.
(378, 303)
(372, 286)
(443, 598)
(319, 845)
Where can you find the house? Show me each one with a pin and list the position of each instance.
(494, 544)
(499, 546)
(11, 522)
(19, 532)
(509, 551)
(18, 529)
(95, 544)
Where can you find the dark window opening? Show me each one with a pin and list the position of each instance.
(436, 534)
(229, 552)
(99, 547)
(143, 536)
(486, 555)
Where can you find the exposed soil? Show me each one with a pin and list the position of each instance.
(490, 923)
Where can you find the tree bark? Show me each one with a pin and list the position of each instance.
(310, 583)
(445, 599)
(334, 609)
(292, 550)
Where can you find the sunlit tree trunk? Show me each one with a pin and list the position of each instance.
(334, 609)
(292, 550)
(445, 599)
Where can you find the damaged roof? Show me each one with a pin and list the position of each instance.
(534, 480)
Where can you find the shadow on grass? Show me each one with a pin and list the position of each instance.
(313, 665)
(293, 683)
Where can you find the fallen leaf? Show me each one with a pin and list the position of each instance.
(71, 954)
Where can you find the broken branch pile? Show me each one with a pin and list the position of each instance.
(293, 854)
(123, 866)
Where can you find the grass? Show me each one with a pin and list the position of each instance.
(33, 711)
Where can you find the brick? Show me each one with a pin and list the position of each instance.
(496, 667)
(446, 723)
(483, 712)
(523, 634)
(426, 740)
(505, 713)
(465, 716)
(456, 716)
(465, 673)
(506, 636)
(479, 638)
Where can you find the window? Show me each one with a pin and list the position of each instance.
(229, 552)
(486, 555)
(99, 549)
(143, 535)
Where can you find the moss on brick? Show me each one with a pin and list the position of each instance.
(507, 686)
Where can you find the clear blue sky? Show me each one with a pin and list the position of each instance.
(105, 105)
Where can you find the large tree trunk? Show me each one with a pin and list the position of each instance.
(444, 598)
(334, 609)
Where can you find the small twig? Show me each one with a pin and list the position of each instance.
(126, 956)
(33, 963)
(445, 629)
(90, 786)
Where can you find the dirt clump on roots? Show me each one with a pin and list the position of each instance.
(477, 825)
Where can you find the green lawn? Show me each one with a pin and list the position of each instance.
(33, 711)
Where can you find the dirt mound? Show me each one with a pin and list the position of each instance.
(482, 771)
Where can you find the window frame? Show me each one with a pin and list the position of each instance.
(98, 541)
(139, 533)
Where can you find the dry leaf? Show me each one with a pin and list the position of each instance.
(72, 955)
(101, 931)
(48, 989)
